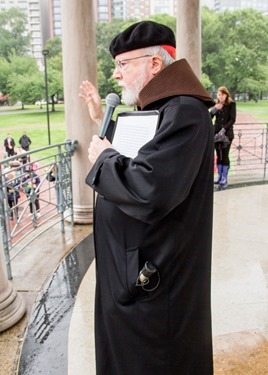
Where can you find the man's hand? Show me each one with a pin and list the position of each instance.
(97, 146)
(92, 99)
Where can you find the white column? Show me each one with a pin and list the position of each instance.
(79, 63)
(189, 33)
(12, 306)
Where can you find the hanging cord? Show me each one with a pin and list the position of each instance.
(145, 274)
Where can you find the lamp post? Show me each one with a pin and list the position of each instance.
(45, 52)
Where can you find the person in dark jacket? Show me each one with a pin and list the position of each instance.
(153, 220)
(31, 184)
(13, 194)
(25, 141)
(9, 144)
(225, 116)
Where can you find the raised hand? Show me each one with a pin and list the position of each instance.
(89, 94)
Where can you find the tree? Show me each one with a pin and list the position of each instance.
(54, 46)
(234, 48)
(105, 33)
(4, 73)
(13, 35)
(26, 88)
(54, 70)
(16, 65)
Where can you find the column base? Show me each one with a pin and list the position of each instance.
(12, 307)
(83, 214)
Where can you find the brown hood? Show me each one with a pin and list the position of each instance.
(176, 79)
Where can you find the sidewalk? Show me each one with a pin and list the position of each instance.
(31, 270)
(239, 290)
(239, 295)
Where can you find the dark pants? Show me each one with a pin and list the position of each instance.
(223, 154)
(37, 205)
(12, 203)
(10, 152)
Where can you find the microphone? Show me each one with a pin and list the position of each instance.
(112, 100)
(147, 271)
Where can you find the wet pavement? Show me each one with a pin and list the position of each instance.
(60, 337)
(46, 343)
(33, 271)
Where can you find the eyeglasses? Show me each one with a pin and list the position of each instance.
(121, 64)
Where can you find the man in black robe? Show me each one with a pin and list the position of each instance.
(154, 212)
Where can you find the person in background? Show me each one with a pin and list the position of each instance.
(22, 157)
(13, 193)
(9, 145)
(224, 112)
(25, 141)
(31, 184)
(153, 216)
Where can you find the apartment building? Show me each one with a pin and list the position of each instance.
(222, 5)
(44, 16)
(32, 10)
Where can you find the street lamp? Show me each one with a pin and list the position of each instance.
(45, 52)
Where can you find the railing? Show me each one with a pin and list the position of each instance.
(22, 219)
(249, 153)
(34, 195)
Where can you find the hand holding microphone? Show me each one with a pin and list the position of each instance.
(112, 101)
(96, 147)
(99, 144)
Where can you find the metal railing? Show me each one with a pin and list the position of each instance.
(249, 153)
(26, 214)
(35, 195)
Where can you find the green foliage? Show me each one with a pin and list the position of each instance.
(165, 19)
(21, 79)
(25, 88)
(13, 35)
(16, 66)
(235, 49)
(4, 73)
(105, 33)
(234, 54)
(55, 77)
(206, 82)
(54, 46)
(24, 81)
(54, 69)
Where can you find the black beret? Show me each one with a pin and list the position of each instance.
(140, 35)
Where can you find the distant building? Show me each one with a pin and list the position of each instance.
(208, 3)
(44, 16)
(222, 5)
(32, 10)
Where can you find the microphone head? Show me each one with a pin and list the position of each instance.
(112, 100)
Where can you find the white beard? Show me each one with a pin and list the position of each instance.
(130, 94)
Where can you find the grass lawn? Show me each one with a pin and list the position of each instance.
(34, 121)
(35, 125)
(258, 110)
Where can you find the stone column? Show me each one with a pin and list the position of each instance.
(79, 64)
(12, 306)
(189, 33)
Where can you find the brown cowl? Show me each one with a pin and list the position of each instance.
(176, 79)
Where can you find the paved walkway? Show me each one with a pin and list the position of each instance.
(239, 295)
(57, 262)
